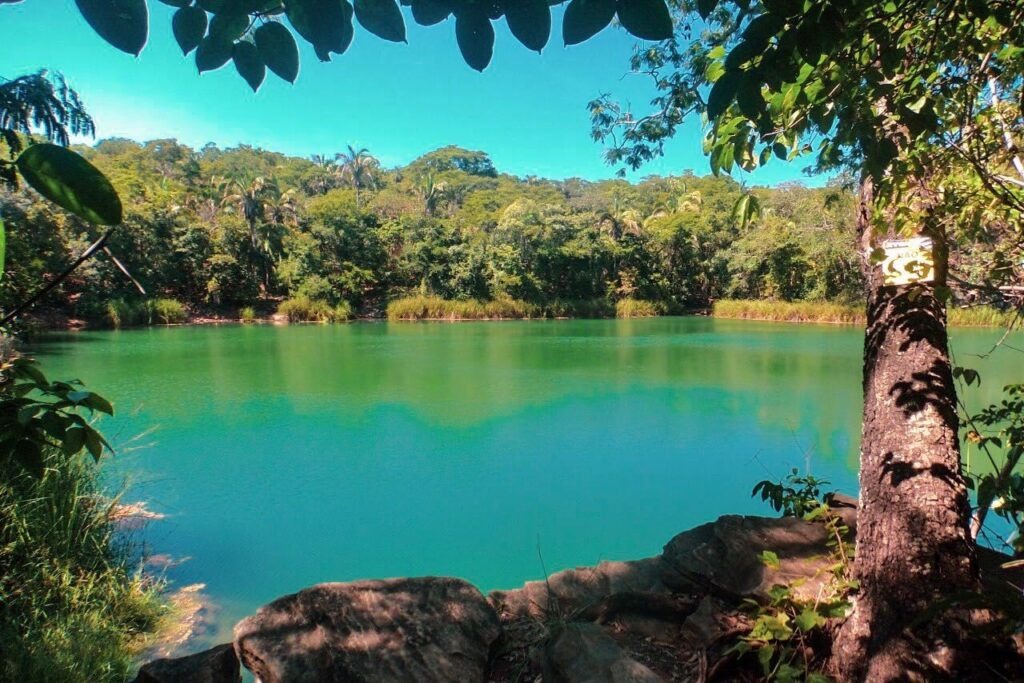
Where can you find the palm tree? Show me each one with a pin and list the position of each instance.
(248, 195)
(359, 167)
(431, 192)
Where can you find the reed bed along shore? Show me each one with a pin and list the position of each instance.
(817, 312)
(435, 308)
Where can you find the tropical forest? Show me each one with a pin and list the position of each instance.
(558, 341)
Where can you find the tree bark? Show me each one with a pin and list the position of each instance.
(913, 541)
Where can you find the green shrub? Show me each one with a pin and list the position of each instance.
(73, 606)
(166, 312)
(317, 288)
(247, 314)
(423, 307)
(120, 313)
(638, 308)
(302, 309)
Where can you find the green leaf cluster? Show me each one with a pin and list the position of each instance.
(37, 414)
(220, 31)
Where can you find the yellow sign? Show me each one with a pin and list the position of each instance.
(908, 261)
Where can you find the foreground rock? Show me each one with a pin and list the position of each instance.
(673, 617)
(584, 653)
(218, 665)
(401, 630)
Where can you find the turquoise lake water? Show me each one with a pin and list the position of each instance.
(288, 456)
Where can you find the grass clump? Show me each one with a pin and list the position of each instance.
(817, 312)
(983, 316)
(120, 313)
(72, 607)
(788, 311)
(638, 308)
(247, 314)
(422, 307)
(302, 309)
(166, 312)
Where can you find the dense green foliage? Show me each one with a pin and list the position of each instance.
(72, 605)
(222, 229)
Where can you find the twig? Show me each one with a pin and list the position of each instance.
(25, 305)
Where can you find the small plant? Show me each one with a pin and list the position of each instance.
(998, 432)
(787, 635)
(166, 311)
(637, 308)
(247, 314)
(120, 313)
(302, 309)
(796, 496)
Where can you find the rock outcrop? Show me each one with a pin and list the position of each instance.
(218, 665)
(400, 630)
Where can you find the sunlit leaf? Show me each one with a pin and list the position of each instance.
(189, 27)
(122, 23)
(475, 35)
(382, 18)
(70, 181)
(585, 18)
(646, 19)
(278, 50)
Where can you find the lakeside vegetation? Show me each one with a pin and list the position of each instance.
(75, 607)
(215, 232)
(818, 312)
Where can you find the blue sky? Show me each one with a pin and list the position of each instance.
(527, 110)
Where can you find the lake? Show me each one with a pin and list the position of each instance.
(288, 456)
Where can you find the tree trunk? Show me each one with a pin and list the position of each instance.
(913, 543)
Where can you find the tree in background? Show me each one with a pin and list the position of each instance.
(915, 98)
(358, 167)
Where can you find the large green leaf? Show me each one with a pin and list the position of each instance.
(249, 64)
(529, 21)
(67, 179)
(278, 50)
(646, 19)
(212, 54)
(177, 3)
(430, 12)
(29, 455)
(586, 18)
(382, 18)
(475, 36)
(228, 27)
(722, 94)
(326, 24)
(189, 27)
(122, 23)
(706, 7)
